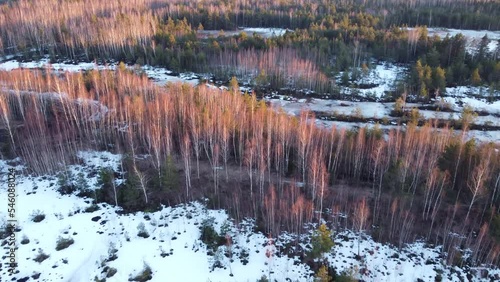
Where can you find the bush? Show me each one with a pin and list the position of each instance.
(92, 208)
(347, 276)
(63, 243)
(111, 272)
(25, 240)
(495, 228)
(83, 187)
(145, 275)
(209, 236)
(65, 183)
(142, 231)
(244, 256)
(37, 216)
(263, 279)
(5, 231)
(112, 253)
(41, 256)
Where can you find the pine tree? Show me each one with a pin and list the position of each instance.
(475, 77)
(233, 85)
(322, 275)
(169, 180)
(321, 241)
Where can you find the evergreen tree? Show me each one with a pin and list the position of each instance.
(169, 179)
(233, 85)
(321, 241)
(322, 275)
(439, 80)
(105, 182)
(475, 78)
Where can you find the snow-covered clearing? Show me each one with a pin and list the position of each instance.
(458, 97)
(160, 76)
(473, 36)
(338, 107)
(261, 31)
(173, 250)
(382, 76)
(105, 241)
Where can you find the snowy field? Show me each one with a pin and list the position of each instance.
(379, 110)
(338, 107)
(473, 36)
(382, 76)
(108, 244)
(158, 75)
(261, 31)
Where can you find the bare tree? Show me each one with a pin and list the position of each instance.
(479, 176)
(360, 218)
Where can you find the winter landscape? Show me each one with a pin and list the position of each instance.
(250, 140)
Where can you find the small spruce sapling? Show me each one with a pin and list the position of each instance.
(321, 242)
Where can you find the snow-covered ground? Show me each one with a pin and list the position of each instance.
(379, 110)
(457, 97)
(262, 31)
(105, 242)
(473, 36)
(158, 75)
(173, 250)
(162, 76)
(382, 76)
(337, 107)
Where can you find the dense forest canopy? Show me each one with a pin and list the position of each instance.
(425, 179)
(324, 36)
(431, 181)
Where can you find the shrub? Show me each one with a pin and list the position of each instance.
(145, 275)
(263, 279)
(347, 276)
(41, 256)
(495, 228)
(65, 183)
(217, 260)
(63, 243)
(83, 187)
(111, 272)
(244, 256)
(5, 231)
(142, 231)
(112, 253)
(37, 216)
(92, 208)
(209, 236)
(25, 240)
